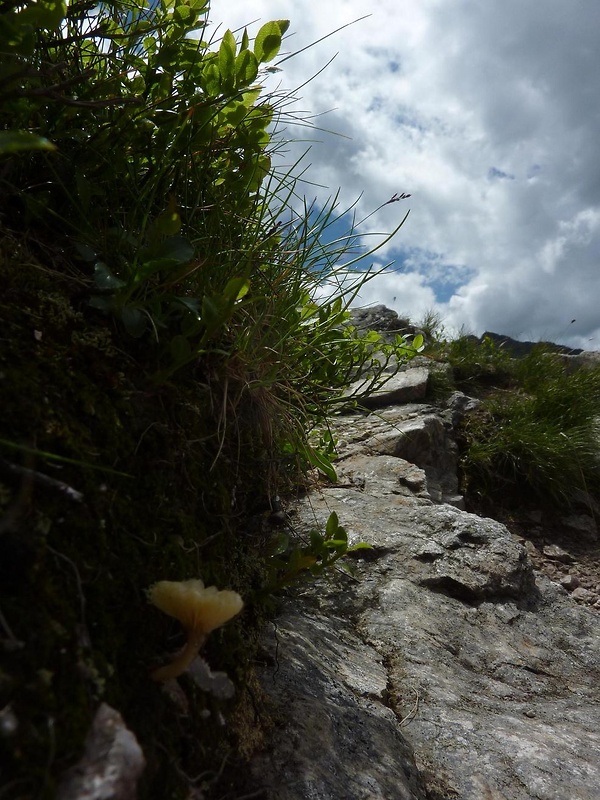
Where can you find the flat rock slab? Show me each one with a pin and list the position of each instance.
(336, 739)
(508, 697)
(413, 433)
(408, 386)
(503, 666)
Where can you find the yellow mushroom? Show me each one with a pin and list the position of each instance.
(200, 610)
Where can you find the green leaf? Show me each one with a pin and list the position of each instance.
(135, 321)
(245, 40)
(211, 80)
(322, 463)
(150, 45)
(104, 278)
(86, 253)
(340, 545)
(316, 541)
(282, 543)
(211, 314)
(105, 304)
(246, 69)
(154, 265)
(46, 14)
(192, 304)
(236, 288)
(267, 42)
(176, 248)
(181, 352)
(18, 141)
(251, 96)
(227, 60)
(235, 113)
(183, 14)
(332, 526)
(166, 224)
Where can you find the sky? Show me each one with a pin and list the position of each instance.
(488, 115)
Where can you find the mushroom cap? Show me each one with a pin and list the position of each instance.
(197, 607)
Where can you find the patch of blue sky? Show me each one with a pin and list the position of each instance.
(376, 104)
(342, 245)
(443, 277)
(406, 119)
(497, 174)
(394, 62)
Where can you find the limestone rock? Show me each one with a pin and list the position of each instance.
(459, 405)
(557, 553)
(583, 525)
(381, 319)
(569, 582)
(586, 359)
(111, 765)
(503, 666)
(416, 434)
(406, 386)
(336, 737)
(447, 667)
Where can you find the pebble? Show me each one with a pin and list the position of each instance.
(570, 582)
(556, 553)
(531, 548)
(581, 522)
(584, 595)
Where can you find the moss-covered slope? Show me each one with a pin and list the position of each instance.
(150, 500)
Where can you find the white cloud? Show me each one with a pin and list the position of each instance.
(487, 114)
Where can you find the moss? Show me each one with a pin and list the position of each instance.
(77, 628)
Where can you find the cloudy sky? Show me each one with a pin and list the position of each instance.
(488, 114)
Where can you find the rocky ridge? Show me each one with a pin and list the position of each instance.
(461, 660)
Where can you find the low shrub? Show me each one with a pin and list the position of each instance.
(540, 435)
(475, 364)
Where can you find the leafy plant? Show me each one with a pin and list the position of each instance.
(475, 363)
(432, 326)
(170, 272)
(539, 435)
(293, 559)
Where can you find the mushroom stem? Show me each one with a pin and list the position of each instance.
(182, 662)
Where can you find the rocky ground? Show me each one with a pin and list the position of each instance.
(567, 554)
(461, 663)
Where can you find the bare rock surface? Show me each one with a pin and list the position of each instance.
(336, 737)
(448, 644)
(111, 764)
(408, 386)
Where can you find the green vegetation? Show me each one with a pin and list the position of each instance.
(536, 435)
(164, 373)
(475, 364)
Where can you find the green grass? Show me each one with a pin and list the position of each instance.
(536, 434)
(475, 365)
